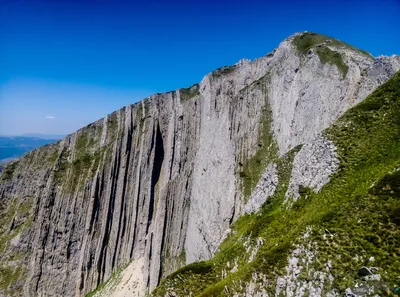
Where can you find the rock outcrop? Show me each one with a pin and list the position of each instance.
(159, 182)
(312, 167)
(264, 189)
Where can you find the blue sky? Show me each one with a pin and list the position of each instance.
(64, 64)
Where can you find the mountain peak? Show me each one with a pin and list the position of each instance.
(209, 176)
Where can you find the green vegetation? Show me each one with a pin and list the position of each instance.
(73, 167)
(112, 127)
(187, 279)
(309, 40)
(246, 229)
(8, 215)
(334, 58)
(8, 276)
(87, 159)
(15, 218)
(254, 166)
(140, 119)
(53, 157)
(189, 93)
(99, 288)
(110, 284)
(170, 262)
(182, 257)
(8, 171)
(223, 71)
(321, 44)
(353, 218)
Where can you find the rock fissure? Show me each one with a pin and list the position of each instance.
(156, 185)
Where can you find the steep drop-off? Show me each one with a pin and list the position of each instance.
(156, 185)
(337, 233)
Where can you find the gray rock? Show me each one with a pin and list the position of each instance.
(158, 182)
(312, 167)
(300, 259)
(307, 96)
(369, 274)
(254, 288)
(264, 189)
(359, 291)
(364, 271)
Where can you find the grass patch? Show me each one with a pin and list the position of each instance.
(99, 288)
(309, 40)
(267, 151)
(187, 279)
(247, 228)
(110, 284)
(321, 44)
(53, 157)
(225, 70)
(8, 171)
(15, 218)
(112, 127)
(71, 174)
(8, 276)
(353, 218)
(189, 93)
(326, 55)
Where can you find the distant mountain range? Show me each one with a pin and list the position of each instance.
(12, 147)
(42, 136)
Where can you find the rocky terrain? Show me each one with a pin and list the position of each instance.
(256, 177)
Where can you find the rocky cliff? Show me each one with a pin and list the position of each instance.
(158, 184)
(329, 224)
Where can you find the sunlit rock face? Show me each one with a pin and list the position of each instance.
(157, 184)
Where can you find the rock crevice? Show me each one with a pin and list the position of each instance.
(158, 182)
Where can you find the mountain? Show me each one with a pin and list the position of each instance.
(12, 147)
(270, 177)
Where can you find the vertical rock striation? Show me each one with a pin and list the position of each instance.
(158, 183)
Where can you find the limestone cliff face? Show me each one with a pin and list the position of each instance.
(156, 184)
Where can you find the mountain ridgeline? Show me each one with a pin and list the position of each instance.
(273, 177)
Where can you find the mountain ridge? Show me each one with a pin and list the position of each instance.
(159, 182)
(347, 241)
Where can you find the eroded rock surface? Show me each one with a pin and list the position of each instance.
(265, 188)
(312, 167)
(158, 182)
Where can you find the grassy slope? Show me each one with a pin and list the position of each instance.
(253, 167)
(15, 218)
(321, 44)
(359, 209)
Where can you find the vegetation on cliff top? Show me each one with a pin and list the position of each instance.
(320, 43)
(354, 219)
(189, 93)
(223, 71)
(359, 209)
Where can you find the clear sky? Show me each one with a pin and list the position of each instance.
(64, 64)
